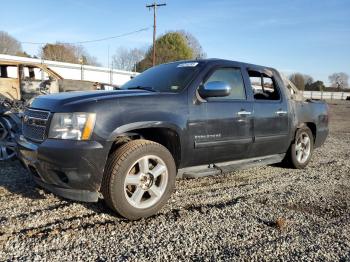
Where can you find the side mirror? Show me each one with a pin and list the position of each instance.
(214, 89)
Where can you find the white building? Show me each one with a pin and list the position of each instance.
(79, 72)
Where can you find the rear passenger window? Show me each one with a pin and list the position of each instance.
(264, 86)
(233, 77)
(256, 83)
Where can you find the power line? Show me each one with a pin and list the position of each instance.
(95, 40)
(154, 6)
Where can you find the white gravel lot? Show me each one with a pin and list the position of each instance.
(265, 213)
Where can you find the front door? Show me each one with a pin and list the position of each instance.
(229, 120)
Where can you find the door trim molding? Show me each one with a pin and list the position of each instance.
(260, 139)
(238, 141)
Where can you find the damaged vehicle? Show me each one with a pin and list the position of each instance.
(20, 83)
(185, 119)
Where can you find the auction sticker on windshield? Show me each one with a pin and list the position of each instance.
(192, 64)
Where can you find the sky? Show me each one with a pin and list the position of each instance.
(308, 36)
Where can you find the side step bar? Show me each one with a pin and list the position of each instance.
(225, 167)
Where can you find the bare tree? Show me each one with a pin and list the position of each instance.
(84, 57)
(59, 52)
(194, 44)
(308, 80)
(69, 53)
(315, 86)
(9, 45)
(339, 80)
(126, 59)
(298, 80)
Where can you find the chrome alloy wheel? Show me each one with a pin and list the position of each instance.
(146, 182)
(303, 147)
(7, 144)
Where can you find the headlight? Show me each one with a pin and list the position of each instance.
(73, 126)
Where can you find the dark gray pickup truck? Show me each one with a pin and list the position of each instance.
(187, 118)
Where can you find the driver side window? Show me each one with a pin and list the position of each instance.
(233, 77)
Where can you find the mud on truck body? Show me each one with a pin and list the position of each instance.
(20, 83)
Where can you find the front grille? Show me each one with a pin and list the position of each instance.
(37, 114)
(35, 123)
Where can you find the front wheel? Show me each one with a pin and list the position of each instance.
(302, 148)
(139, 179)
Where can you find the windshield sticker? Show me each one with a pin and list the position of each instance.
(191, 64)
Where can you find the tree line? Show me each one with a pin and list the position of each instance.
(339, 81)
(62, 52)
(171, 46)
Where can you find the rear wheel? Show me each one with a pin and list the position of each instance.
(139, 179)
(302, 148)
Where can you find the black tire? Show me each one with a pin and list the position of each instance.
(119, 164)
(7, 138)
(291, 158)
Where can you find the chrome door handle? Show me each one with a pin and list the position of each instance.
(244, 113)
(281, 112)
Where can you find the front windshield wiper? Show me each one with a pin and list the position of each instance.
(147, 88)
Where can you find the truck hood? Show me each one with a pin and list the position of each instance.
(54, 101)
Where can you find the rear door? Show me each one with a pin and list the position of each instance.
(271, 118)
(229, 120)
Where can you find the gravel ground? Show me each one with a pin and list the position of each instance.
(266, 213)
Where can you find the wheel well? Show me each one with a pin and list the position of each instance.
(164, 136)
(311, 126)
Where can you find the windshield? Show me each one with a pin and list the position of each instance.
(172, 77)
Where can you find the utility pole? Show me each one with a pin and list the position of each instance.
(154, 6)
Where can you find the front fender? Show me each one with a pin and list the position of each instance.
(141, 125)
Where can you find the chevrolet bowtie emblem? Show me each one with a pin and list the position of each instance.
(26, 119)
